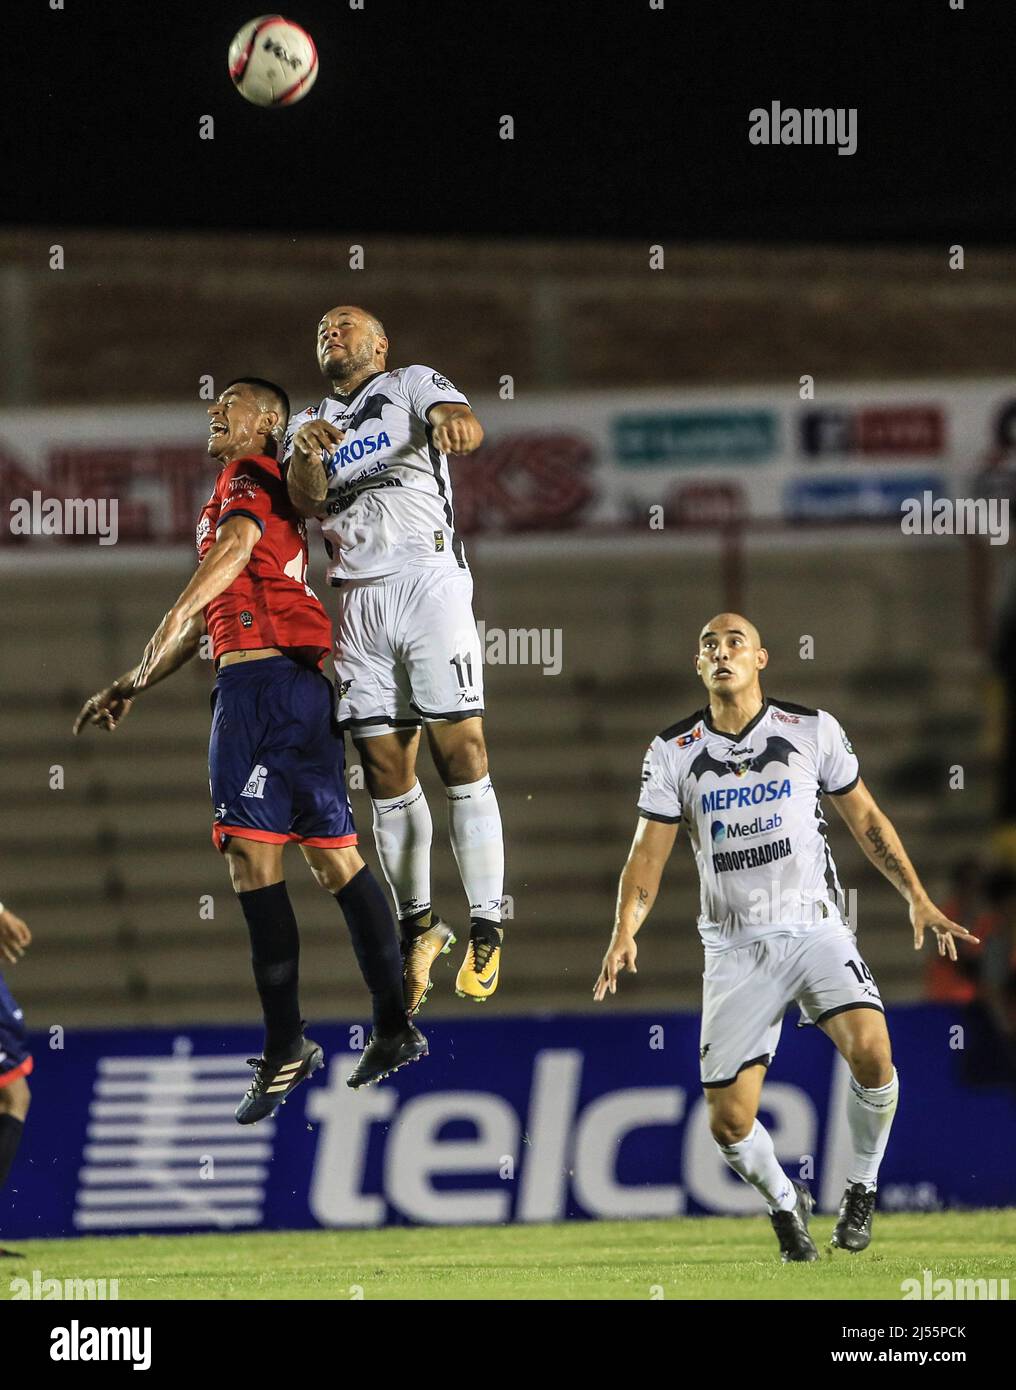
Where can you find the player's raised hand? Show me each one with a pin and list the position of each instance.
(620, 956)
(316, 439)
(106, 709)
(926, 917)
(459, 434)
(15, 938)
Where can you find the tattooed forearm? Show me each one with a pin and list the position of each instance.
(884, 858)
(641, 906)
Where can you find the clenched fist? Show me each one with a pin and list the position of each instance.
(458, 434)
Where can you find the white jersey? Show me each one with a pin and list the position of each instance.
(752, 807)
(389, 489)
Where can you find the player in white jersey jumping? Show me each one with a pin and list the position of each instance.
(746, 775)
(371, 462)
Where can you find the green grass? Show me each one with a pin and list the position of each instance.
(709, 1258)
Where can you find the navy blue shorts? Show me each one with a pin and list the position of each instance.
(15, 1056)
(276, 760)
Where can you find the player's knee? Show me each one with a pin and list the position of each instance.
(15, 1099)
(871, 1063)
(730, 1126)
(462, 760)
(249, 867)
(388, 771)
(333, 869)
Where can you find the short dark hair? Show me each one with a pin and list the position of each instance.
(260, 383)
(262, 386)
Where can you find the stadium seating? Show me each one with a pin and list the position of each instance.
(115, 871)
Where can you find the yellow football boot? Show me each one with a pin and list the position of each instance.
(479, 972)
(418, 955)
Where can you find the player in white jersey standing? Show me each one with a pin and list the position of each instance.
(371, 462)
(746, 775)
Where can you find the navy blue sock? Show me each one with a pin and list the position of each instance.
(275, 955)
(11, 1130)
(376, 943)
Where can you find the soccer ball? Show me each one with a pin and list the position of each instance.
(272, 61)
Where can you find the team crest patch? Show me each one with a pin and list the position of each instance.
(246, 619)
(846, 741)
(243, 485)
(256, 782)
(439, 541)
(441, 382)
(344, 688)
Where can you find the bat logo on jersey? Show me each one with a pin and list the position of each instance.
(370, 410)
(777, 750)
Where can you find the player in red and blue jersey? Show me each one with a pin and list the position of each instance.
(15, 1053)
(276, 758)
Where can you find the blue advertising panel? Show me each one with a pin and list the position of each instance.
(509, 1119)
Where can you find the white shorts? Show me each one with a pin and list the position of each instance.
(747, 989)
(407, 651)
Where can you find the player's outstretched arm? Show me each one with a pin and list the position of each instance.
(877, 836)
(306, 479)
(178, 636)
(636, 893)
(15, 938)
(456, 428)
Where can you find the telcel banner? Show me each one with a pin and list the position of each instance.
(508, 1120)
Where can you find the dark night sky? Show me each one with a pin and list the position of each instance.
(629, 122)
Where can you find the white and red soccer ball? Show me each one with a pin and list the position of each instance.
(272, 61)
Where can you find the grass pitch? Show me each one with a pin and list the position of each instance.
(694, 1258)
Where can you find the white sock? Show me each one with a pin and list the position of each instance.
(754, 1158)
(870, 1114)
(402, 833)
(474, 827)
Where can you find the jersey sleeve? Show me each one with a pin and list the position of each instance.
(838, 770)
(295, 421)
(243, 492)
(659, 798)
(425, 388)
